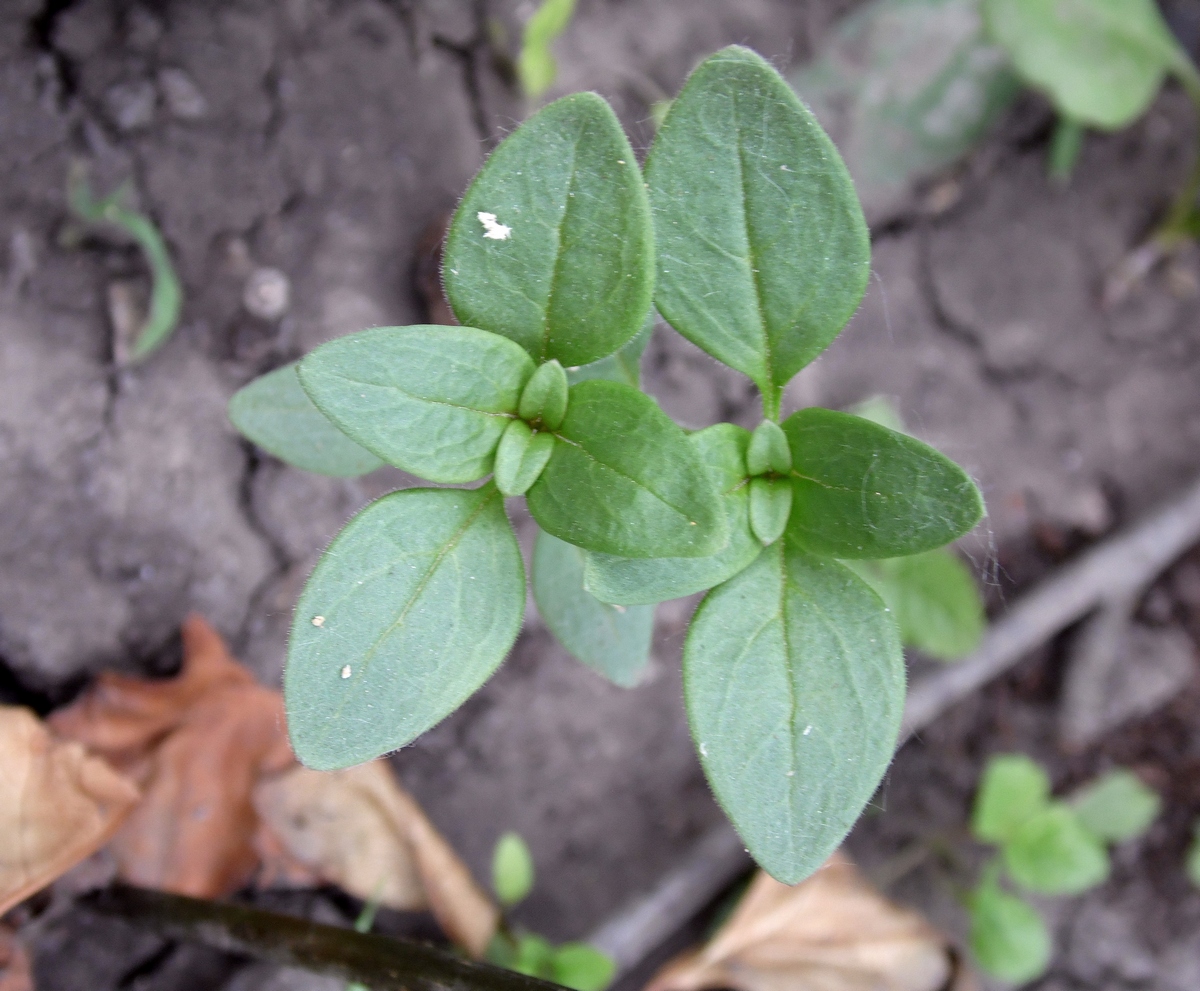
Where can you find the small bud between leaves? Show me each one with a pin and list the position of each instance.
(520, 458)
(545, 396)
(768, 451)
(770, 506)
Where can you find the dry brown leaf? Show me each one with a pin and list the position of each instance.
(833, 932)
(197, 744)
(58, 805)
(359, 829)
(16, 974)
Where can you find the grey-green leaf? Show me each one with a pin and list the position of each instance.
(863, 491)
(794, 683)
(625, 366)
(1013, 789)
(551, 246)
(612, 640)
(763, 252)
(432, 400)
(626, 580)
(1008, 938)
(520, 458)
(623, 479)
(275, 412)
(935, 600)
(1053, 854)
(413, 606)
(545, 396)
(1116, 806)
(770, 504)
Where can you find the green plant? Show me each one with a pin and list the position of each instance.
(166, 296)
(1100, 62)
(536, 68)
(1192, 863)
(1046, 846)
(573, 965)
(745, 232)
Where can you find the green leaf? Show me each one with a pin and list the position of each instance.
(536, 68)
(429, 399)
(1008, 938)
(794, 683)
(1053, 854)
(625, 366)
(1013, 790)
(512, 869)
(521, 457)
(934, 598)
(768, 451)
(535, 956)
(770, 504)
(631, 581)
(413, 606)
(613, 640)
(552, 246)
(1116, 806)
(763, 252)
(1101, 62)
(863, 491)
(545, 397)
(582, 967)
(275, 412)
(624, 480)
(1192, 864)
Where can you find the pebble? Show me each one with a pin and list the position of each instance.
(267, 294)
(181, 95)
(132, 104)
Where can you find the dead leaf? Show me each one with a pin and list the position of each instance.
(833, 932)
(15, 971)
(359, 829)
(197, 744)
(57, 805)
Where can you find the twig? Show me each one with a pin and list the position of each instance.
(380, 962)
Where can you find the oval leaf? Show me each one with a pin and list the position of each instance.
(1053, 854)
(794, 682)
(275, 412)
(763, 253)
(770, 504)
(413, 606)
(630, 581)
(1008, 938)
(1116, 807)
(551, 246)
(512, 869)
(863, 491)
(1014, 789)
(613, 640)
(624, 480)
(429, 399)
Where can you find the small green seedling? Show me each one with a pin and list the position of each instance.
(1100, 62)
(166, 295)
(363, 924)
(573, 965)
(1047, 846)
(745, 232)
(536, 68)
(1192, 864)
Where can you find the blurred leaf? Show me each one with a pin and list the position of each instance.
(1008, 938)
(535, 64)
(512, 869)
(1192, 865)
(582, 967)
(1116, 806)
(1053, 854)
(535, 956)
(58, 805)
(833, 932)
(1013, 789)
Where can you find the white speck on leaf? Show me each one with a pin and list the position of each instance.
(492, 228)
(346, 671)
(808, 729)
(703, 750)
(318, 621)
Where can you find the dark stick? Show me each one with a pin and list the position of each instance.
(382, 963)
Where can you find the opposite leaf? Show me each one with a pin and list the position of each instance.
(1013, 790)
(1116, 806)
(628, 581)
(275, 412)
(794, 682)
(520, 458)
(551, 246)
(1053, 854)
(1008, 938)
(429, 399)
(763, 252)
(770, 504)
(623, 479)
(863, 491)
(413, 606)
(613, 640)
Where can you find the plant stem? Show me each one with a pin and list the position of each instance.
(380, 962)
(1064, 148)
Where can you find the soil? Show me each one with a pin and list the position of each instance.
(324, 139)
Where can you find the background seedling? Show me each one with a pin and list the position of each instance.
(793, 672)
(536, 68)
(166, 295)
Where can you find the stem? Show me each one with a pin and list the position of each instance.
(380, 962)
(1174, 229)
(1064, 148)
(771, 399)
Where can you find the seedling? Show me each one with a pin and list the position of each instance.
(573, 965)
(746, 233)
(166, 296)
(536, 68)
(1047, 846)
(1192, 865)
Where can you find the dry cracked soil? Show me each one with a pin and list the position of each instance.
(323, 139)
